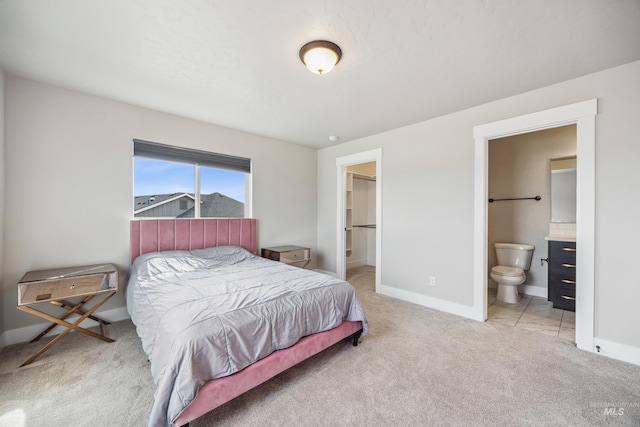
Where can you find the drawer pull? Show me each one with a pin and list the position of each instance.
(571, 282)
(569, 298)
(569, 265)
(569, 249)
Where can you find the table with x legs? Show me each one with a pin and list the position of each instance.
(70, 289)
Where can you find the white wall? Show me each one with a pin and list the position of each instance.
(428, 195)
(69, 190)
(358, 254)
(2, 223)
(364, 212)
(371, 220)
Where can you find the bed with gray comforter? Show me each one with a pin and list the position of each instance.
(209, 313)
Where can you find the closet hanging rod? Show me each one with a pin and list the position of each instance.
(364, 177)
(364, 226)
(519, 198)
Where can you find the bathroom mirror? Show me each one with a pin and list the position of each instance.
(563, 189)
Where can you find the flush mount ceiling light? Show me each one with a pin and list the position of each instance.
(320, 56)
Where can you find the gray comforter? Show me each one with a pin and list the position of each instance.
(209, 313)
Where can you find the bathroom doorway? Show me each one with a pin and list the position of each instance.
(520, 185)
(581, 114)
(359, 204)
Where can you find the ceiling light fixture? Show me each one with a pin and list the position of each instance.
(320, 56)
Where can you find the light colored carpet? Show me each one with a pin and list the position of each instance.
(417, 367)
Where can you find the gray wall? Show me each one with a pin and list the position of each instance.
(428, 197)
(69, 189)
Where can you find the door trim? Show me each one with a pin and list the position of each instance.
(583, 115)
(374, 155)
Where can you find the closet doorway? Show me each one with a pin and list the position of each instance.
(358, 216)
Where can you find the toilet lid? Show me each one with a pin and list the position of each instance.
(503, 270)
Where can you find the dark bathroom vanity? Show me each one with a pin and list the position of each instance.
(562, 274)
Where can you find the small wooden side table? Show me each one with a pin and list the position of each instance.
(289, 254)
(57, 286)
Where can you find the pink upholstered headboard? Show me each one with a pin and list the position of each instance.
(152, 235)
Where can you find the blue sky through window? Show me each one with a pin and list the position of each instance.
(152, 176)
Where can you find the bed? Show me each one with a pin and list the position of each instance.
(216, 320)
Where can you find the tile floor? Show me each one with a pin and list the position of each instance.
(531, 313)
(534, 314)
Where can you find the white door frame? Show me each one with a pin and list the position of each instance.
(374, 155)
(583, 115)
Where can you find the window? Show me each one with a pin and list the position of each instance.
(174, 182)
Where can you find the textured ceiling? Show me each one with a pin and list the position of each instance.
(235, 63)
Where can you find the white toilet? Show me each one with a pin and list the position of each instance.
(513, 260)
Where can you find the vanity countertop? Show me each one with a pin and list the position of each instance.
(559, 238)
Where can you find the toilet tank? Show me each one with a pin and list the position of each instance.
(514, 254)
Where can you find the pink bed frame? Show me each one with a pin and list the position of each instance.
(189, 234)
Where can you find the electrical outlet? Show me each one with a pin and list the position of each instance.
(432, 281)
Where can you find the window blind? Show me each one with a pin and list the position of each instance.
(154, 150)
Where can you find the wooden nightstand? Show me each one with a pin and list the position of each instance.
(56, 286)
(290, 254)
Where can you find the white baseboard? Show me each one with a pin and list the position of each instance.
(618, 351)
(611, 349)
(536, 291)
(356, 263)
(330, 273)
(26, 334)
(426, 301)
